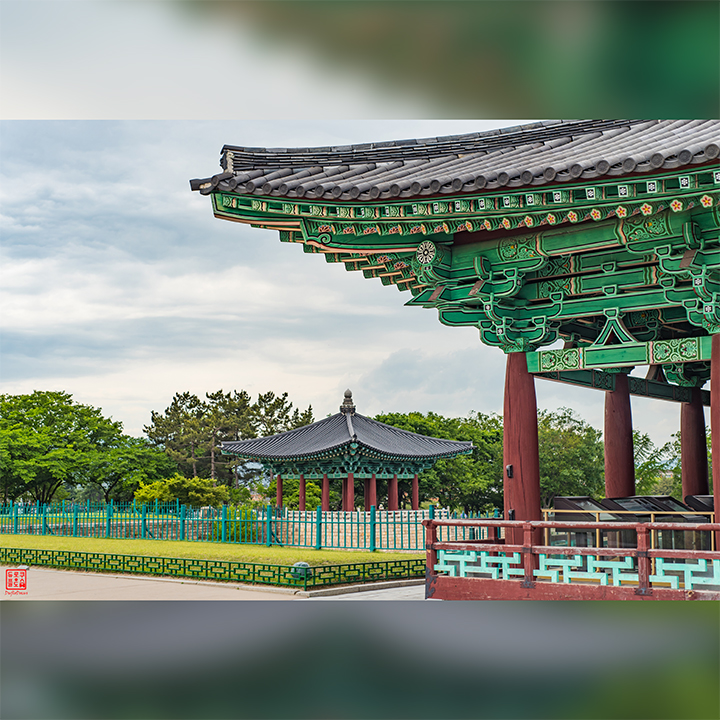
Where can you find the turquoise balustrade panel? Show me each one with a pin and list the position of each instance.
(694, 574)
(584, 568)
(469, 563)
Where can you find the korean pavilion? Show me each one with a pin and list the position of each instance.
(601, 234)
(348, 446)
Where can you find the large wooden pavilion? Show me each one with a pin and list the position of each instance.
(602, 234)
(348, 446)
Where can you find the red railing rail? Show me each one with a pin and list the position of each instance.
(530, 550)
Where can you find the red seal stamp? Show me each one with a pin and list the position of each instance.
(16, 581)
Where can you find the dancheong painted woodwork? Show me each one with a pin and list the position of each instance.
(582, 249)
(602, 233)
(347, 442)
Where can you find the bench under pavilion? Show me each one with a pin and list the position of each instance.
(602, 234)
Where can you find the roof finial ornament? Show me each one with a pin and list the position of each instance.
(348, 405)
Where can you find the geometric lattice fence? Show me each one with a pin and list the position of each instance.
(248, 573)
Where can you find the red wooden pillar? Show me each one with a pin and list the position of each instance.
(350, 492)
(715, 426)
(325, 493)
(301, 492)
(415, 493)
(279, 493)
(619, 460)
(521, 457)
(393, 493)
(372, 495)
(693, 446)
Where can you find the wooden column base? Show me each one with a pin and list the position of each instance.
(325, 501)
(372, 496)
(279, 492)
(521, 458)
(350, 492)
(301, 493)
(393, 493)
(693, 446)
(619, 460)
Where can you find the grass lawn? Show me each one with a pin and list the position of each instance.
(204, 550)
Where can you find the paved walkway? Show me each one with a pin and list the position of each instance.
(49, 584)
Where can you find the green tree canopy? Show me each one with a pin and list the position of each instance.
(191, 430)
(47, 440)
(571, 456)
(472, 482)
(118, 471)
(195, 491)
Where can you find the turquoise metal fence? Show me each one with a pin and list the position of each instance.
(253, 573)
(372, 530)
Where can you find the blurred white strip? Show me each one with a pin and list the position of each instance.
(126, 59)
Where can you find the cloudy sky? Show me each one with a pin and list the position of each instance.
(119, 286)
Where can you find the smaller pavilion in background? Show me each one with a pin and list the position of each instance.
(348, 446)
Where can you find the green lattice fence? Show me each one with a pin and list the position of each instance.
(372, 530)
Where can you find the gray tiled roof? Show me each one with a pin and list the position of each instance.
(342, 429)
(534, 154)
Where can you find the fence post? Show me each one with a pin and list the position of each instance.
(182, 522)
(15, 519)
(643, 561)
(430, 552)
(177, 506)
(134, 506)
(528, 558)
(268, 520)
(156, 506)
(373, 528)
(107, 521)
(224, 520)
(142, 523)
(75, 516)
(318, 527)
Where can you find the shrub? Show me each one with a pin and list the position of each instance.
(196, 492)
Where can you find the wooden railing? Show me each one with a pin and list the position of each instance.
(526, 565)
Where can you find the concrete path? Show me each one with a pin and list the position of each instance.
(49, 584)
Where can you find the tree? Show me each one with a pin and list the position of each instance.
(179, 431)
(571, 456)
(191, 431)
(228, 416)
(472, 482)
(196, 492)
(119, 470)
(47, 440)
(653, 465)
(273, 414)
